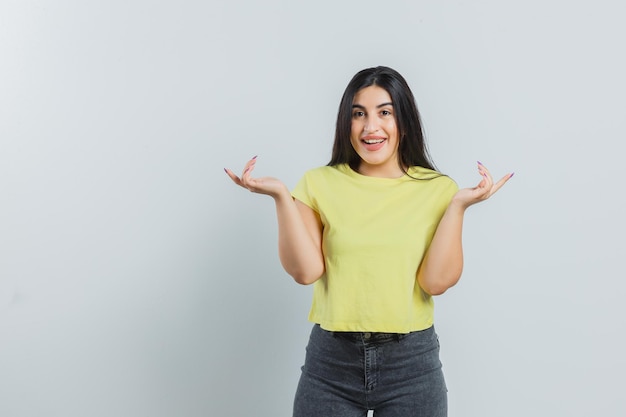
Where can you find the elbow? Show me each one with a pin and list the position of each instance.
(440, 286)
(303, 280)
(435, 290)
(304, 273)
(306, 276)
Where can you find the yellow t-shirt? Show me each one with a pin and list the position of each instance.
(375, 234)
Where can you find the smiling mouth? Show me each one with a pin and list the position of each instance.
(373, 141)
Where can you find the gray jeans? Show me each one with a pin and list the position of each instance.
(347, 374)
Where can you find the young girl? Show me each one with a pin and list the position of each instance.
(378, 230)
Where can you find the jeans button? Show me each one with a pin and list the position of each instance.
(367, 335)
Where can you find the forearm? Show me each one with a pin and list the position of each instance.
(300, 253)
(443, 263)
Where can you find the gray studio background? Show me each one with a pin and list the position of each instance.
(137, 280)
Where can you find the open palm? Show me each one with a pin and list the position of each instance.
(264, 185)
(485, 188)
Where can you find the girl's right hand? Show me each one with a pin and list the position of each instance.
(265, 185)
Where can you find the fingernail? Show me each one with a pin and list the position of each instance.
(254, 157)
(512, 173)
(479, 163)
(225, 170)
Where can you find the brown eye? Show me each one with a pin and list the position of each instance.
(385, 113)
(358, 114)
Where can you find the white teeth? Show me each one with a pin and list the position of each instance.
(373, 141)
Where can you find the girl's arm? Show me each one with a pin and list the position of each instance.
(443, 263)
(299, 227)
(299, 240)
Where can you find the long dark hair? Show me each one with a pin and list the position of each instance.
(412, 149)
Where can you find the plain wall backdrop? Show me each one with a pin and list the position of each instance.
(137, 280)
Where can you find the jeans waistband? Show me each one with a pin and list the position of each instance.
(370, 336)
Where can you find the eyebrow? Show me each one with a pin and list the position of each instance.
(358, 106)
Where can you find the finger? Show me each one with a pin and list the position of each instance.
(231, 174)
(482, 185)
(233, 177)
(481, 192)
(490, 184)
(501, 182)
(248, 166)
(483, 170)
(486, 182)
(245, 176)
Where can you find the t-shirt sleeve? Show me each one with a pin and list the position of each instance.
(451, 188)
(304, 191)
(448, 188)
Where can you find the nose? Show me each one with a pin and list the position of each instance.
(371, 125)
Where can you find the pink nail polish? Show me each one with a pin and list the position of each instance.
(254, 157)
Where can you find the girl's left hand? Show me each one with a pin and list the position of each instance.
(485, 188)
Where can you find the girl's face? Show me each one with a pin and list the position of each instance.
(374, 135)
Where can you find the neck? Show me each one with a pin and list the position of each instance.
(381, 172)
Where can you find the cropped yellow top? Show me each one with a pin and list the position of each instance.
(375, 234)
